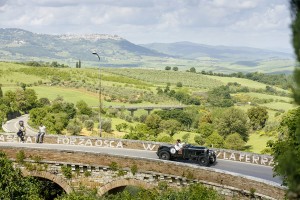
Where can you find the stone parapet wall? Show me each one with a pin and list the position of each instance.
(136, 144)
(105, 179)
(213, 177)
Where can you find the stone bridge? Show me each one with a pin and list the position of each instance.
(108, 172)
(132, 109)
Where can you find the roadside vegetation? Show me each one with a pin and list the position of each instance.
(286, 150)
(162, 192)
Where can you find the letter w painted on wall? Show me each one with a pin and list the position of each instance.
(149, 147)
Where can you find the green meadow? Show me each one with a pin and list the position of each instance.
(242, 81)
(258, 142)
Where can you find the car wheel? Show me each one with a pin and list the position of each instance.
(164, 155)
(203, 161)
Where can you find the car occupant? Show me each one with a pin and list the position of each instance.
(178, 146)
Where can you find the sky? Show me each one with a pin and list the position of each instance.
(253, 23)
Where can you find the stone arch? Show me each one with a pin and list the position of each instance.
(46, 175)
(123, 182)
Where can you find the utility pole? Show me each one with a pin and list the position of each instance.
(99, 95)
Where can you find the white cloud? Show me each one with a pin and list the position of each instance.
(273, 18)
(235, 4)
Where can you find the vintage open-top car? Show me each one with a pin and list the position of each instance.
(202, 155)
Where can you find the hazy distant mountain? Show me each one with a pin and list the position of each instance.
(18, 44)
(225, 53)
(21, 45)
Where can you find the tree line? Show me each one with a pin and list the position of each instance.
(216, 127)
(54, 64)
(283, 81)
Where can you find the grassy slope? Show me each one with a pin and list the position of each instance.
(10, 78)
(242, 81)
(280, 105)
(164, 77)
(180, 134)
(258, 142)
(286, 105)
(267, 96)
(69, 94)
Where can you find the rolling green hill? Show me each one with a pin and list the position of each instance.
(18, 44)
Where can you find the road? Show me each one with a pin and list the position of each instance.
(253, 170)
(12, 126)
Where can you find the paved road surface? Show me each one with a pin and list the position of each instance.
(258, 171)
(13, 125)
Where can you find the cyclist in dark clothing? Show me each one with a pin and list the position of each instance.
(22, 131)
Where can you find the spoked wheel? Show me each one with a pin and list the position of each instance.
(203, 161)
(164, 155)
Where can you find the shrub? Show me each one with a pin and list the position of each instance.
(143, 118)
(167, 68)
(165, 138)
(162, 185)
(114, 166)
(119, 127)
(106, 125)
(170, 125)
(128, 118)
(122, 172)
(178, 84)
(258, 117)
(205, 129)
(20, 157)
(199, 139)
(186, 137)
(83, 108)
(233, 120)
(89, 124)
(37, 158)
(74, 127)
(234, 141)
(66, 171)
(83, 118)
(87, 173)
(152, 121)
(134, 169)
(215, 140)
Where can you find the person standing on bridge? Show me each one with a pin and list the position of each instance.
(41, 133)
(22, 131)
